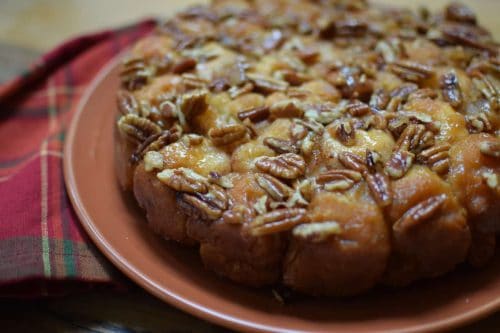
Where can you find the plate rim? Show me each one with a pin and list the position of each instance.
(170, 296)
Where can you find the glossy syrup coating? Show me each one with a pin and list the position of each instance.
(330, 146)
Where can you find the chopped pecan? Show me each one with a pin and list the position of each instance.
(277, 221)
(154, 143)
(478, 123)
(127, 103)
(379, 99)
(345, 133)
(410, 70)
(420, 213)
(338, 179)
(192, 81)
(193, 103)
(436, 158)
(255, 114)
(459, 12)
(287, 166)
(267, 84)
(281, 146)
(317, 231)
(287, 109)
(358, 109)
(276, 189)
(136, 128)
(294, 78)
(238, 91)
(451, 89)
(490, 148)
(228, 134)
(399, 164)
(183, 180)
(183, 65)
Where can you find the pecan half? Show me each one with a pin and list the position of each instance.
(380, 188)
(338, 180)
(451, 89)
(154, 143)
(135, 73)
(287, 166)
(277, 221)
(127, 103)
(415, 138)
(436, 158)
(399, 164)
(228, 134)
(459, 12)
(379, 99)
(353, 162)
(317, 231)
(210, 205)
(193, 103)
(488, 89)
(490, 148)
(463, 35)
(478, 123)
(276, 189)
(410, 70)
(255, 114)
(267, 84)
(420, 213)
(183, 180)
(136, 128)
(358, 109)
(281, 146)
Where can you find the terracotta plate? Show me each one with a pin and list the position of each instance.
(177, 276)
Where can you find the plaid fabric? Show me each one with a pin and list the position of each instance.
(43, 249)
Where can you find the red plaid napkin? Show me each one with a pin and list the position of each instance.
(43, 248)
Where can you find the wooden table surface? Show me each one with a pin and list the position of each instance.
(30, 27)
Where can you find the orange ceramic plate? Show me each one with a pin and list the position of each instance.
(177, 276)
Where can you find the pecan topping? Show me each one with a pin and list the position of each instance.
(154, 143)
(192, 81)
(281, 146)
(411, 71)
(193, 103)
(135, 73)
(451, 89)
(353, 162)
(399, 164)
(238, 91)
(379, 99)
(228, 134)
(350, 27)
(317, 231)
(210, 205)
(183, 180)
(277, 221)
(184, 65)
(295, 78)
(380, 188)
(127, 103)
(459, 12)
(461, 34)
(490, 148)
(287, 166)
(420, 213)
(358, 109)
(436, 158)
(267, 84)
(478, 123)
(338, 180)
(488, 89)
(136, 128)
(273, 186)
(255, 114)
(345, 133)
(414, 138)
(287, 109)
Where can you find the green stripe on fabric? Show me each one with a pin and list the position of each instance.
(69, 262)
(46, 256)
